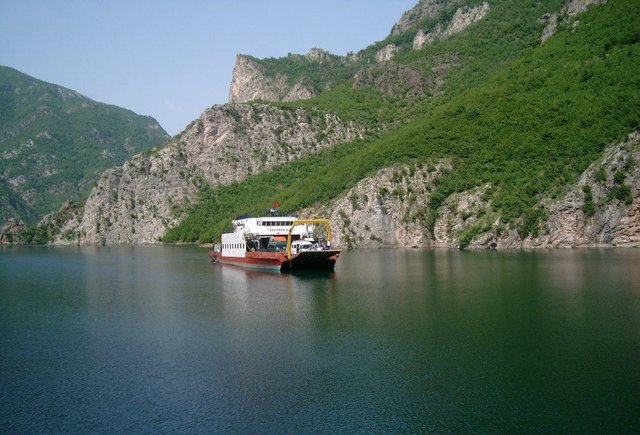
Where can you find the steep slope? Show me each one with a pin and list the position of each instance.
(138, 201)
(473, 138)
(54, 143)
(518, 121)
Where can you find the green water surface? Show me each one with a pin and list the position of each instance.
(158, 339)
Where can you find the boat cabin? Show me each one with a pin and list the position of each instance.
(266, 234)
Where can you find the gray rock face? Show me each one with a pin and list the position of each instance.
(390, 209)
(386, 53)
(249, 83)
(385, 210)
(574, 7)
(424, 9)
(463, 18)
(614, 221)
(570, 9)
(551, 21)
(422, 39)
(318, 54)
(135, 203)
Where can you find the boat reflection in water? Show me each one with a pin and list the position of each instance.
(258, 293)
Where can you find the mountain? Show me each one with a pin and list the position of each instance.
(496, 123)
(55, 143)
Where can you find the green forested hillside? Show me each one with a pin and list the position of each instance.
(54, 143)
(522, 116)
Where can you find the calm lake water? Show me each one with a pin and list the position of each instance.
(158, 339)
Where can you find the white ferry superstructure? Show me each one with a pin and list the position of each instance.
(278, 243)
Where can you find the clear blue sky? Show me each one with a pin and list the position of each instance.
(173, 59)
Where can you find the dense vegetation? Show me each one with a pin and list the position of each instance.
(54, 143)
(523, 117)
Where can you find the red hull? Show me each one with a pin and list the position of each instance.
(279, 261)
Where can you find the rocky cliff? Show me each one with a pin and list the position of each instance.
(136, 202)
(423, 10)
(602, 209)
(463, 18)
(250, 83)
(390, 209)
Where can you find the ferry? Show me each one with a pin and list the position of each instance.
(281, 243)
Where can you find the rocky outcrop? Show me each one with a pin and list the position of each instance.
(463, 18)
(318, 54)
(603, 208)
(11, 232)
(386, 52)
(135, 203)
(390, 209)
(424, 9)
(249, 83)
(574, 7)
(571, 9)
(465, 218)
(550, 21)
